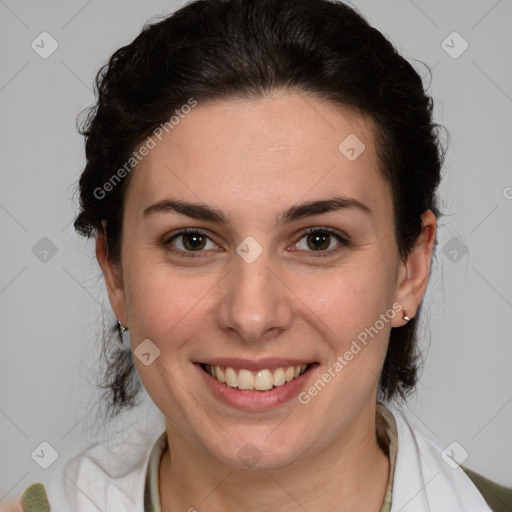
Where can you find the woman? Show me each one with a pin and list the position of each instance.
(261, 179)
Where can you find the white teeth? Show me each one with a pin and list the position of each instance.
(262, 380)
(231, 378)
(279, 379)
(245, 379)
(221, 377)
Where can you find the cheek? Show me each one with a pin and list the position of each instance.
(164, 303)
(344, 302)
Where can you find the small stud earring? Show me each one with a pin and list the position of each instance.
(121, 328)
(406, 318)
(124, 335)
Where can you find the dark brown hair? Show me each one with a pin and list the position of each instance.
(221, 49)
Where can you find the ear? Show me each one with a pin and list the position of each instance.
(113, 278)
(414, 273)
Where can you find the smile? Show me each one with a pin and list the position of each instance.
(254, 380)
(256, 385)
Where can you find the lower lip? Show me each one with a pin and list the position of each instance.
(256, 400)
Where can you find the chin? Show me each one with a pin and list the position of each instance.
(256, 452)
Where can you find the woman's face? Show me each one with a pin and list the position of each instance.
(290, 260)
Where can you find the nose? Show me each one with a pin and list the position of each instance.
(255, 304)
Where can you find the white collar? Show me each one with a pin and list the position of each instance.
(423, 481)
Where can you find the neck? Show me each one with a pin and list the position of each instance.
(350, 474)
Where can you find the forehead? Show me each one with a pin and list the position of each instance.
(262, 153)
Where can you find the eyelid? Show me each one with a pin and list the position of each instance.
(185, 231)
(325, 229)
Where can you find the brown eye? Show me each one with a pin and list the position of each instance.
(321, 241)
(318, 241)
(194, 242)
(190, 241)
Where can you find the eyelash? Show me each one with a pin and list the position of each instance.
(194, 254)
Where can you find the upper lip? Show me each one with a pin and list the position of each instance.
(260, 364)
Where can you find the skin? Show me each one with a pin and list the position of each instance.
(252, 160)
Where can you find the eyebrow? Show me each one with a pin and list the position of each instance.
(296, 212)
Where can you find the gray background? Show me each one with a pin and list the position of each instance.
(51, 305)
